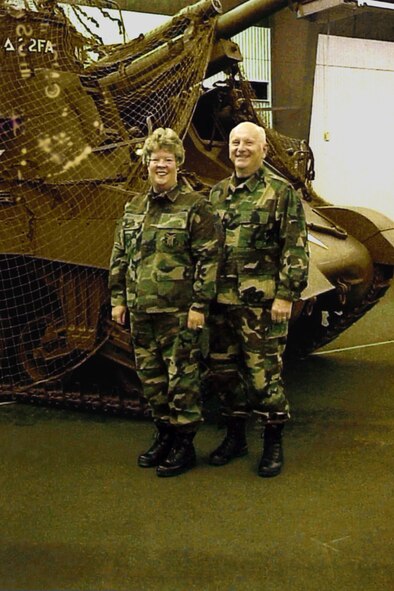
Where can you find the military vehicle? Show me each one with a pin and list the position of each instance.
(73, 117)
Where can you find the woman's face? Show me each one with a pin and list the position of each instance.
(162, 169)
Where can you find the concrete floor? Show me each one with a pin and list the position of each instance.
(77, 513)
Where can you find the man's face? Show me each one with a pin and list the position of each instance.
(162, 170)
(247, 149)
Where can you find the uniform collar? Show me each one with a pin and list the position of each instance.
(249, 183)
(171, 194)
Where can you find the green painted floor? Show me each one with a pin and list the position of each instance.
(77, 513)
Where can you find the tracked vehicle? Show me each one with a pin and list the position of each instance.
(73, 117)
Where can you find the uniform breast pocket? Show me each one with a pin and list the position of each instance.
(172, 234)
(254, 229)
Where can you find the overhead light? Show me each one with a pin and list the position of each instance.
(338, 9)
(377, 3)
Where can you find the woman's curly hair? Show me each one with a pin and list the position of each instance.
(163, 139)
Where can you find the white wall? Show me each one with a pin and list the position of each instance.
(352, 126)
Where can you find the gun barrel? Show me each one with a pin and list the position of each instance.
(245, 15)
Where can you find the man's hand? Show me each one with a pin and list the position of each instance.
(119, 314)
(195, 320)
(281, 310)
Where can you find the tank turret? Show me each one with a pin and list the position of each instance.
(74, 114)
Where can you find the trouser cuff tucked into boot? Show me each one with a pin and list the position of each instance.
(160, 447)
(234, 444)
(181, 457)
(272, 459)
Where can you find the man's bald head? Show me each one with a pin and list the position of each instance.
(249, 126)
(247, 148)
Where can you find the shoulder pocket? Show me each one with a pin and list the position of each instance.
(133, 221)
(176, 221)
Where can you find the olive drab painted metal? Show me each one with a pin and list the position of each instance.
(74, 114)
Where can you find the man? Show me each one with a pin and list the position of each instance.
(164, 269)
(264, 271)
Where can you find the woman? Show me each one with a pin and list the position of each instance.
(163, 269)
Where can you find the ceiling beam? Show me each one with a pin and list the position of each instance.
(152, 7)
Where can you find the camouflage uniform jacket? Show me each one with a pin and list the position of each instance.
(265, 253)
(166, 253)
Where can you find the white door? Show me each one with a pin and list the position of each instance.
(352, 125)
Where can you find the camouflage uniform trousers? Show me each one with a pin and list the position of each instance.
(245, 362)
(167, 361)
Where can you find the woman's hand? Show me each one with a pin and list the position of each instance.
(119, 314)
(195, 320)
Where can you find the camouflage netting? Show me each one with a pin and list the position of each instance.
(71, 130)
(73, 117)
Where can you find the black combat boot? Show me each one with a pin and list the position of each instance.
(234, 445)
(272, 459)
(182, 455)
(160, 447)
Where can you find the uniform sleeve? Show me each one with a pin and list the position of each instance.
(294, 258)
(206, 235)
(118, 268)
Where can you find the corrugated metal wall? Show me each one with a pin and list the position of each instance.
(255, 46)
